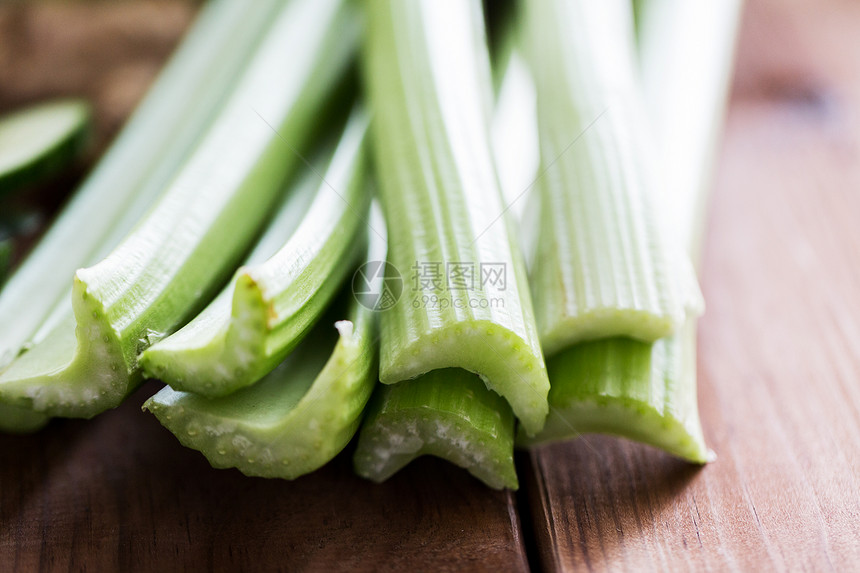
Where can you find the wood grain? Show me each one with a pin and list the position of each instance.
(779, 345)
(118, 493)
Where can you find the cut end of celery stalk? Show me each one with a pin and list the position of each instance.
(608, 322)
(290, 423)
(21, 420)
(77, 371)
(640, 391)
(428, 81)
(504, 361)
(215, 362)
(602, 266)
(276, 300)
(446, 413)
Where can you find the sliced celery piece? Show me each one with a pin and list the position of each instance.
(602, 265)
(647, 392)
(275, 298)
(20, 420)
(299, 416)
(38, 141)
(139, 164)
(195, 234)
(639, 390)
(292, 421)
(429, 86)
(447, 413)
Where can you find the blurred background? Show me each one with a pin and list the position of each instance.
(799, 58)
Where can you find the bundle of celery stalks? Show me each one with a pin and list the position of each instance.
(540, 213)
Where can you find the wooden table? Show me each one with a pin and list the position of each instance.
(779, 392)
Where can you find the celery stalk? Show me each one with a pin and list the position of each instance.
(450, 413)
(686, 55)
(206, 219)
(641, 391)
(429, 86)
(602, 265)
(292, 421)
(647, 392)
(142, 160)
(276, 297)
(299, 416)
(20, 420)
(447, 413)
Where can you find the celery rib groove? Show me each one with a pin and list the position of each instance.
(274, 300)
(135, 169)
(647, 391)
(299, 416)
(429, 86)
(207, 217)
(291, 422)
(603, 266)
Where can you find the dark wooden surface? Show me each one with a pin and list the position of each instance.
(779, 347)
(779, 375)
(118, 493)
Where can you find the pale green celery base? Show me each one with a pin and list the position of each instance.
(502, 359)
(643, 392)
(446, 413)
(221, 351)
(275, 301)
(630, 419)
(76, 372)
(210, 352)
(429, 82)
(290, 423)
(21, 420)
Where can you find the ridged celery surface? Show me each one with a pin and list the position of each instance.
(450, 413)
(299, 416)
(447, 413)
(429, 86)
(192, 239)
(277, 296)
(639, 390)
(292, 421)
(38, 141)
(602, 265)
(135, 169)
(647, 392)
